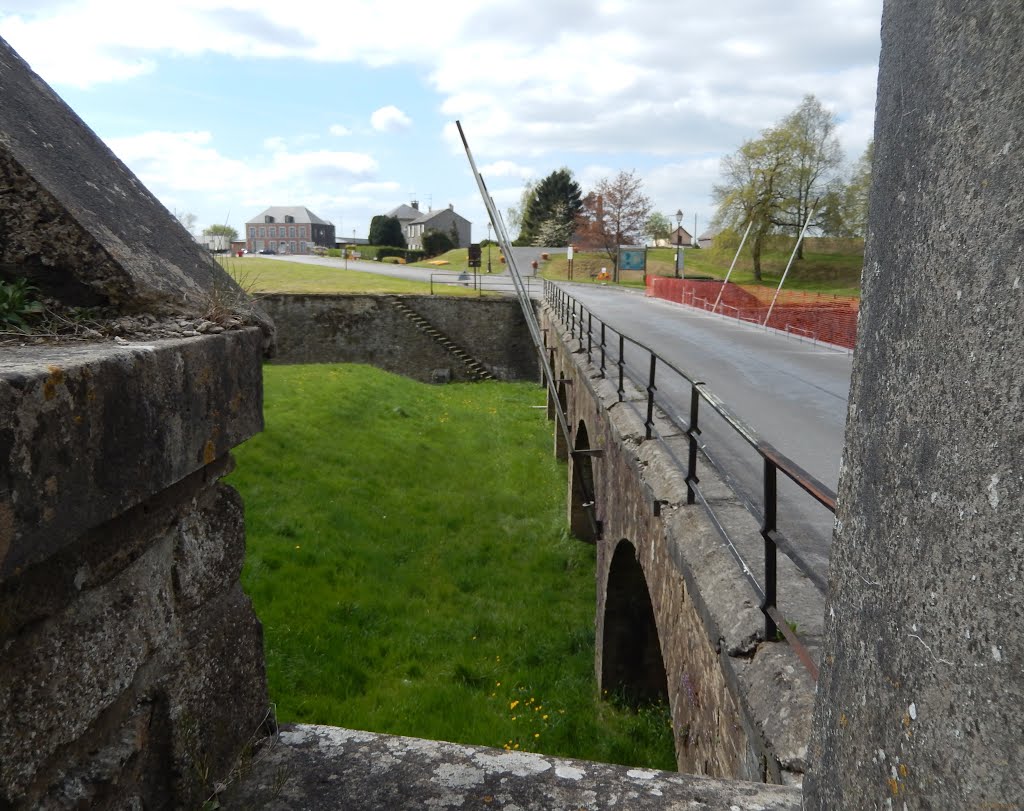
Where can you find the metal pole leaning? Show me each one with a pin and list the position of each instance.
(622, 367)
(603, 347)
(727, 275)
(785, 273)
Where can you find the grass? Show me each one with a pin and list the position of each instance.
(828, 267)
(408, 557)
(278, 276)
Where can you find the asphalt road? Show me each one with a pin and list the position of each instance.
(792, 393)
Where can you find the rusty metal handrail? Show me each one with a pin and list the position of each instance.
(580, 323)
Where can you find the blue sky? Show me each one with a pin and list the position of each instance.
(224, 108)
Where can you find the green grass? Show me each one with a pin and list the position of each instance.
(408, 557)
(276, 276)
(827, 267)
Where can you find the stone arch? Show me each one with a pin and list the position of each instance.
(582, 495)
(631, 661)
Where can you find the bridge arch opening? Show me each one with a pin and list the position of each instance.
(583, 497)
(631, 663)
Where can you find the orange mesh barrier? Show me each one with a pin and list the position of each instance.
(831, 319)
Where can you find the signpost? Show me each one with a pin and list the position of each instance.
(631, 257)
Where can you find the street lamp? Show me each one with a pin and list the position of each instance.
(679, 242)
(488, 246)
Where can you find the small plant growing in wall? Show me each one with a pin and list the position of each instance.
(17, 303)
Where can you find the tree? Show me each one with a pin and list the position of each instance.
(853, 219)
(658, 226)
(187, 219)
(221, 231)
(808, 138)
(385, 230)
(750, 192)
(514, 214)
(436, 243)
(454, 233)
(557, 230)
(614, 213)
(556, 198)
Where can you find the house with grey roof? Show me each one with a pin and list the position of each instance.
(444, 220)
(287, 229)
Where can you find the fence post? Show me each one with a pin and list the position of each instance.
(622, 367)
(590, 337)
(692, 431)
(603, 345)
(651, 388)
(770, 548)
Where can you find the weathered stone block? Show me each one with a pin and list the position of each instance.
(94, 430)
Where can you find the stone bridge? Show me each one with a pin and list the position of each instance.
(676, 620)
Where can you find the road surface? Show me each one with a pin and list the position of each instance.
(792, 393)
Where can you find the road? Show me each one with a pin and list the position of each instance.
(792, 393)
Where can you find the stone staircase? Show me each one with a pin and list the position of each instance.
(475, 368)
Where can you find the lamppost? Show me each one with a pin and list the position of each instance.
(488, 246)
(679, 241)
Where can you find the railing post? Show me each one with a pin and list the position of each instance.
(693, 431)
(651, 388)
(770, 548)
(603, 347)
(622, 367)
(590, 337)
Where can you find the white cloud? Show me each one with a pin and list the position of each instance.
(339, 130)
(385, 186)
(506, 169)
(389, 119)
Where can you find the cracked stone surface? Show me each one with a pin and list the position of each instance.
(317, 767)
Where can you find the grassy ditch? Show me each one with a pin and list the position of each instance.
(408, 557)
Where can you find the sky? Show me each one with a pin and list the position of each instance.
(224, 108)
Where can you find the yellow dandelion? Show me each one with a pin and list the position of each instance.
(536, 734)
(514, 704)
(544, 717)
(516, 746)
(513, 718)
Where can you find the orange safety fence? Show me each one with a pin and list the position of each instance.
(820, 317)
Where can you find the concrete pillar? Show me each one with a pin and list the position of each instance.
(921, 698)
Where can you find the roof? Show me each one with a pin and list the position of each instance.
(425, 218)
(301, 214)
(404, 212)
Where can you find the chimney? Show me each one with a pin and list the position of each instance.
(451, 206)
(415, 204)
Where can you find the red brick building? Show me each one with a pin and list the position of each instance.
(288, 229)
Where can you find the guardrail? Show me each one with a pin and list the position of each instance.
(595, 338)
(481, 282)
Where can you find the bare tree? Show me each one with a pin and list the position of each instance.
(615, 213)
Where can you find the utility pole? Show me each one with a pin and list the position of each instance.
(488, 246)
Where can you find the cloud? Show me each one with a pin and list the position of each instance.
(385, 185)
(339, 130)
(389, 119)
(506, 169)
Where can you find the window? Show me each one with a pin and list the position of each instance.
(252, 232)
(291, 231)
(263, 232)
(302, 231)
(289, 218)
(268, 218)
(293, 247)
(273, 231)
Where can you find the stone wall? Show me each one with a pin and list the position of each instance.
(741, 707)
(132, 668)
(370, 329)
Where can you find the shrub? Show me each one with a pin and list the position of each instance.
(16, 302)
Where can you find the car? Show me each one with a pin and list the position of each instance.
(269, 251)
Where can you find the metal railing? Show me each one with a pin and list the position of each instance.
(596, 337)
(484, 282)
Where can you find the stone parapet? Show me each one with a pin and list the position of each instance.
(315, 767)
(132, 670)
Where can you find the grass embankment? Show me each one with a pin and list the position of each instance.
(279, 276)
(829, 266)
(408, 557)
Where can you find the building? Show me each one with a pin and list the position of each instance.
(415, 224)
(287, 229)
